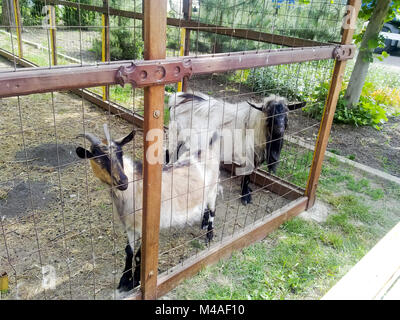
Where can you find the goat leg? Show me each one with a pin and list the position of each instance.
(204, 222)
(274, 154)
(166, 156)
(136, 274)
(125, 283)
(210, 229)
(246, 190)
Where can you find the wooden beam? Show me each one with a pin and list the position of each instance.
(155, 16)
(203, 27)
(40, 80)
(330, 105)
(13, 58)
(270, 182)
(114, 108)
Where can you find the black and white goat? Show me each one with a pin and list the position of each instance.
(189, 191)
(190, 114)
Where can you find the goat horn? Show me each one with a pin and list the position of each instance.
(254, 106)
(107, 133)
(92, 138)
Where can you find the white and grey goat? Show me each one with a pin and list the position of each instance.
(189, 190)
(251, 134)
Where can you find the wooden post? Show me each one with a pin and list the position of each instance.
(53, 41)
(105, 44)
(181, 53)
(17, 16)
(187, 14)
(330, 105)
(155, 22)
(143, 19)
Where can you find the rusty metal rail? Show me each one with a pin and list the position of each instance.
(155, 72)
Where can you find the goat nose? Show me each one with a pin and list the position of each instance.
(123, 184)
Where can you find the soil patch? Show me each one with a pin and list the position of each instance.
(49, 155)
(25, 197)
(377, 149)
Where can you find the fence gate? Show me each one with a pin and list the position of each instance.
(57, 234)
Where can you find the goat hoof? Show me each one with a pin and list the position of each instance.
(210, 236)
(125, 284)
(246, 199)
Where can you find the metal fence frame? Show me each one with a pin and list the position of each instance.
(37, 80)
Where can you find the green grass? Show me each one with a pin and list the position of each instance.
(293, 165)
(303, 259)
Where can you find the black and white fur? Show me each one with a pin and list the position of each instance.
(198, 112)
(189, 191)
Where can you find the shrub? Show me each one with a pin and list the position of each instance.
(296, 82)
(31, 12)
(74, 17)
(122, 44)
(274, 80)
(373, 109)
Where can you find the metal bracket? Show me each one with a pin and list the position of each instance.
(344, 52)
(161, 73)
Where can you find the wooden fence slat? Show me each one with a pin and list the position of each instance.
(105, 45)
(155, 15)
(330, 108)
(17, 14)
(187, 14)
(53, 35)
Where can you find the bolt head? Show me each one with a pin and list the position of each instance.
(156, 114)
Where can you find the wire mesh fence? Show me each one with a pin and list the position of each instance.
(61, 237)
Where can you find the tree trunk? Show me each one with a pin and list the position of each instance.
(361, 66)
(7, 15)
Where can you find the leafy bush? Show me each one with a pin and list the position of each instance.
(386, 96)
(272, 80)
(123, 45)
(374, 108)
(74, 17)
(293, 81)
(31, 12)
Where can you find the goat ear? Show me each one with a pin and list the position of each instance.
(83, 153)
(254, 106)
(123, 141)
